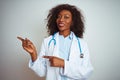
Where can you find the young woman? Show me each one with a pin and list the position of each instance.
(64, 54)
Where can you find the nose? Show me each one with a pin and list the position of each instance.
(61, 18)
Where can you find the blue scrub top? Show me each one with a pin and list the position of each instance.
(64, 48)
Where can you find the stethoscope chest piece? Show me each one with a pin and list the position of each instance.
(81, 55)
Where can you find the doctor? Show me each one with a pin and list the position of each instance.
(64, 54)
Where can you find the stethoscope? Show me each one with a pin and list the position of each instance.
(53, 39)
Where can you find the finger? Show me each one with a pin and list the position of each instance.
(51, 64)
(25, 43)
(50, 59)
(20, 38)
(29, 42)
(47, 57)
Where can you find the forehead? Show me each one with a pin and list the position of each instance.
(65, 12)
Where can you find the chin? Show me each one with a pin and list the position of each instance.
(61, 29)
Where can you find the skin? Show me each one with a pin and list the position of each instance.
(29, 47)
(64, 22)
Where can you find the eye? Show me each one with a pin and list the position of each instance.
(59, 16)
(66, 17)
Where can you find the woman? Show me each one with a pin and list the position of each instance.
(64, 54)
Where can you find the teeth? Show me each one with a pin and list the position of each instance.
(61, 24)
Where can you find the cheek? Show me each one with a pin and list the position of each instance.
(69, 22)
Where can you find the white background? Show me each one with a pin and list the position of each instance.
(26, 18)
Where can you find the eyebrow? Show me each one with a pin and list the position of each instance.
(65, 14)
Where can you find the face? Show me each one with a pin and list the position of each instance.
(64, 20)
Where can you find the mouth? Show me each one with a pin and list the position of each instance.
(61, 24)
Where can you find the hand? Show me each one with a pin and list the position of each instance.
(29, 47)
(55, 61)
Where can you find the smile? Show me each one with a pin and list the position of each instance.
(61, 24)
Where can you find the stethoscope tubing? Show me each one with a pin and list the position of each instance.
(53, 39)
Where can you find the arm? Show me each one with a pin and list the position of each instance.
(29, 47)
(37, 63)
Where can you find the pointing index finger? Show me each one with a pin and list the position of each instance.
(20, 38)
(47, 57)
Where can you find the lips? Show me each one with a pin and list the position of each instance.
(61, 24)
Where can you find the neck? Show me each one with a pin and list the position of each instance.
(64, 33)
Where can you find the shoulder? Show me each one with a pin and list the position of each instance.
(46, 40)
(83, 42)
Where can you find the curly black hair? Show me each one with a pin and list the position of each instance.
(77, 19)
